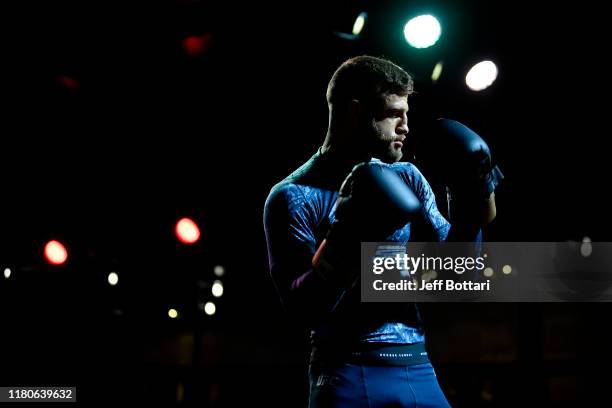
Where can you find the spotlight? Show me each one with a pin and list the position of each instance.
(187, 231)
(422, 31)
(481, 75)
(55, 253)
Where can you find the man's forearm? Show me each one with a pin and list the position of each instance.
(309, 296)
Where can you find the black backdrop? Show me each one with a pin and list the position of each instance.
(149, 134)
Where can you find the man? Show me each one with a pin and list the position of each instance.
(369, 355)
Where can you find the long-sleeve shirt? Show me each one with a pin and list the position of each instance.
(297, 215)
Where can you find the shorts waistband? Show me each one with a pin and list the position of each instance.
(394, 355)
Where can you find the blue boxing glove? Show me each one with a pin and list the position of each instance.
(453, 155)
(373, 203)
(462, 160)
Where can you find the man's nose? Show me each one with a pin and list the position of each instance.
(403, 129)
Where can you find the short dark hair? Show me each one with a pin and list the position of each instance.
(366, 78)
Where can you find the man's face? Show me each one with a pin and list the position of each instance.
(388, 128)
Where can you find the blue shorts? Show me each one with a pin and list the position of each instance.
(346, 385)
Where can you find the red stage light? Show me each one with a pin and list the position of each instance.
(187, 231)
(55, 253)
(195, 45)
(68, 82)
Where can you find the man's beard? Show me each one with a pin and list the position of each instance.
(382, 146)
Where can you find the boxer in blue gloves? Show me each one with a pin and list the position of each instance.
(354, 189)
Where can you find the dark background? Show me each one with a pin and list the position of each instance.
(112, 131)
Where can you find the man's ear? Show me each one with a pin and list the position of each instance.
(356, 109)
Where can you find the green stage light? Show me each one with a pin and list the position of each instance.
(422, 31)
